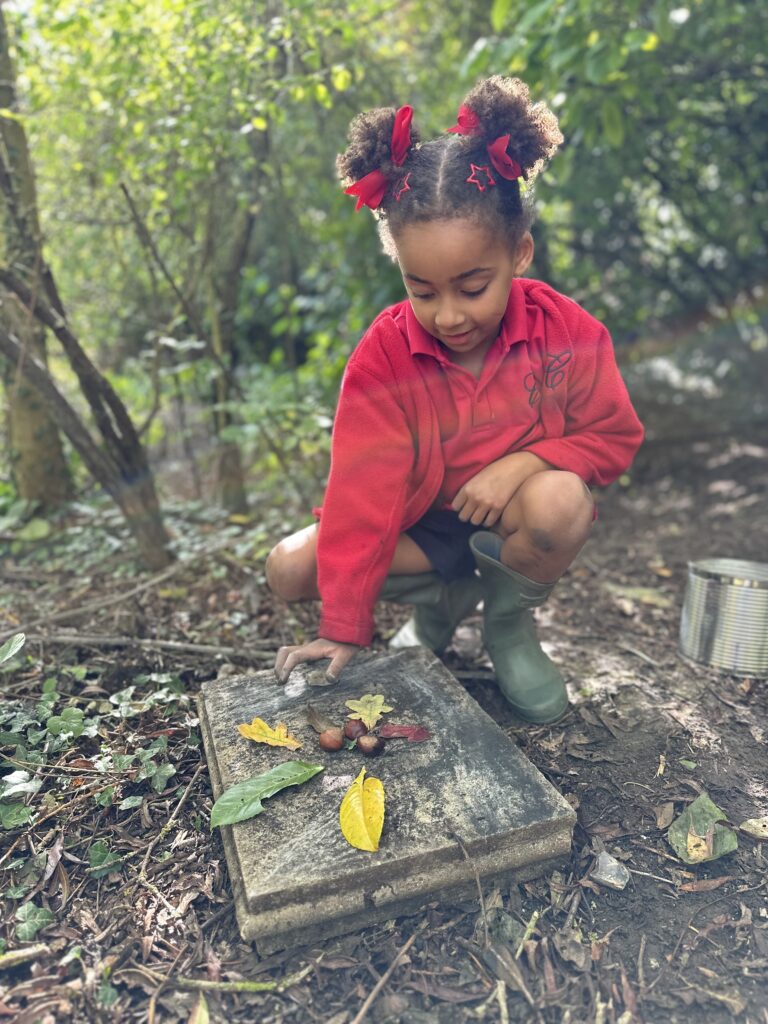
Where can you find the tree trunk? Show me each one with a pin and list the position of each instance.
(133, 491)
(37, 459)
(120, 466)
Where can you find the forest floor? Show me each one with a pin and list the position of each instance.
(116, 893)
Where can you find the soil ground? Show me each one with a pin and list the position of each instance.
(156, 938)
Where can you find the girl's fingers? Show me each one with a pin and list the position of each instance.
(339, 661)
(280, 660)
(295, 656)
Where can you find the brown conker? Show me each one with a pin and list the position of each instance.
(369, 745)
(353, 728)
(331, 739)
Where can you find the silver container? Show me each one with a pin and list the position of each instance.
(725, 616)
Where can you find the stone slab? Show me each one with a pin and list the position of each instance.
(464, 805)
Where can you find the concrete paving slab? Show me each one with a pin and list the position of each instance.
(464, 805)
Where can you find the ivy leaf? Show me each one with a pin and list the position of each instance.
(102, 860)
(260, 732)
(412, 733)
(13, 815)
(697, 834)
(10, 647)
(31, 919)
(243, 801)
(368, 709)
(361, 814)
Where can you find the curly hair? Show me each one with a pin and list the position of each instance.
(436, 172)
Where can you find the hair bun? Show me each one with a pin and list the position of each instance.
(503, 106)
(370, 146)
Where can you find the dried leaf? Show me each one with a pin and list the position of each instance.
(756, 827)
(368, 709)
(243, 801)
(412, 733)
(665, 814)
(361, 814)
(706, 884)
(319, 722)
(199, 1014)
(260, 732)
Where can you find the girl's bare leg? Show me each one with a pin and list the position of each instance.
(292, 564)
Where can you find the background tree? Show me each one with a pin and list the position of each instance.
(36, 455)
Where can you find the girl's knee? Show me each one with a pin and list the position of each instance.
(287, 574)
(555, 507)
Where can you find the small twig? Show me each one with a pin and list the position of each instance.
(501, 997)
(167, 826)
(232, 986)
(529, 928)
(94, 640)
(387, 974)
(20, 956)
(640, 964)
(638, 654)
(483, 913)
(657, 878)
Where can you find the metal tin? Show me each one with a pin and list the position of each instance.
(725, 616)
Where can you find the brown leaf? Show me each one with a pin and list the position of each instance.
(412, 733)
(705, 884)
(665, 814)
(319, 721)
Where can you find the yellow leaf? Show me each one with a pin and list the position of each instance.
(697, 846)
(361, 814)
(260, 732)
(368, 709)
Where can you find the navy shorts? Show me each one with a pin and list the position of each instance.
(444, 539)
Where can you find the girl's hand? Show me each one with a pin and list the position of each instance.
(484, 497)
(340, 654)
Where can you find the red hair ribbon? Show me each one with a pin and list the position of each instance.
(468, 123)
(371, 189)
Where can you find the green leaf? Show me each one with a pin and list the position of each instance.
(10, 647)
(35, 529)
(31, 919)
(698, 836)
(499, 13)
(243, 801)
(13, 815)
(161, 776)
(102, 860)
(613, 122)
(129, 802)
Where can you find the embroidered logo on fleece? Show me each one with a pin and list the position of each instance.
(554, 374)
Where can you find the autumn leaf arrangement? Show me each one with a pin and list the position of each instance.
(361, 814)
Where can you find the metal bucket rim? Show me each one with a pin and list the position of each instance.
(734, 571)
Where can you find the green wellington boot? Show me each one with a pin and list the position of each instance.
(439, 607)
(528, 679)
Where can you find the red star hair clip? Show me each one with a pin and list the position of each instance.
(482, 185)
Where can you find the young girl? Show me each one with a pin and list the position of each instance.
(472, 415)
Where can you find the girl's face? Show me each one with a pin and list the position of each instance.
(458, 277)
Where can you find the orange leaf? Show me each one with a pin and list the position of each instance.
(260, 732)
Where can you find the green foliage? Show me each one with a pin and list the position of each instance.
(648, 209)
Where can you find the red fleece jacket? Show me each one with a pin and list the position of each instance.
(387, 462)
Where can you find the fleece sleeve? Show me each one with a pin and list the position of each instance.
(601, 430)
(372, 456)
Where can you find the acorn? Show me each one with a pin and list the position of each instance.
(353, 728)
(331, 739)
(370, 746)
